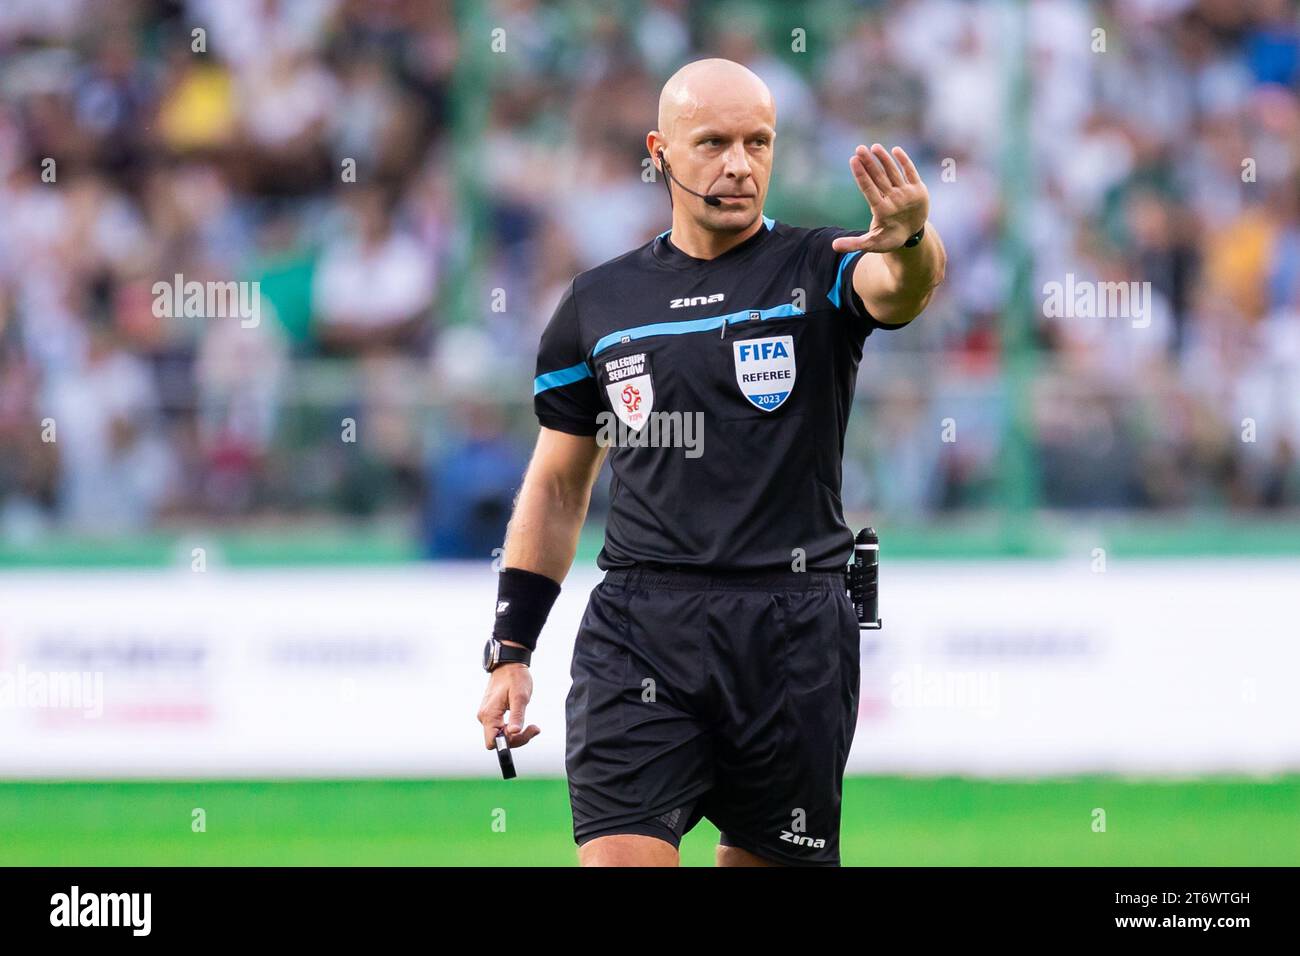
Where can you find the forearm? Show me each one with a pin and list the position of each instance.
(896, 286)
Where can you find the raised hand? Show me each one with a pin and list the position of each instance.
(899, 201)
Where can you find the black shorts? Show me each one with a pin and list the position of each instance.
(720, 696)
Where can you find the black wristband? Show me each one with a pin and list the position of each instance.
(524, 599)
(915, 238)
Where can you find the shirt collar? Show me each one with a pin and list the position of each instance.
(668, 253)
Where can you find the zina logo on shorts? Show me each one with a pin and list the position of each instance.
(816, 844)
(765, 370)
(630, 389)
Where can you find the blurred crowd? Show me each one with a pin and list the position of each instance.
(411, 191)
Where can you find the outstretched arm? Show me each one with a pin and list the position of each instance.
(894, 283)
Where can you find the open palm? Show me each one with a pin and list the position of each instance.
(899, 201)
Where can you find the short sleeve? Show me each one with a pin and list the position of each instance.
(835, 271)
(564, 391)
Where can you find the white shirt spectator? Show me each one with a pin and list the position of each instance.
(108, 486)
(378, 285)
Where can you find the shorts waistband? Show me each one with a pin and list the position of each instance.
(701, 579)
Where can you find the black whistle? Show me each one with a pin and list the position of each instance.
(503, 755)
(866, 579)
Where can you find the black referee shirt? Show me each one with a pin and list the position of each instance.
(764, 343)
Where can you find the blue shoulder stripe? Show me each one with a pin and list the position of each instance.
(565, 376)
(834, 293)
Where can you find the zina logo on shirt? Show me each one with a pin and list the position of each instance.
(765, 370)
(630, 389)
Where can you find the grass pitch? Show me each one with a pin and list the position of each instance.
(450, 822)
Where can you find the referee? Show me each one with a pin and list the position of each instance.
(716, 669)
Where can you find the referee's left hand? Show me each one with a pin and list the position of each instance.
(899, 201)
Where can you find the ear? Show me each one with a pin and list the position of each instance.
(654, 145)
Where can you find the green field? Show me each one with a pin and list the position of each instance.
(887, 821)
(389, 542)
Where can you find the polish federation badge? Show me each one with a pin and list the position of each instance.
(765, 370)
(630, 389)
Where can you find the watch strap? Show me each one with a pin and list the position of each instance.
(510, 654)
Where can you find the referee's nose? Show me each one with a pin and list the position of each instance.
(736, 166)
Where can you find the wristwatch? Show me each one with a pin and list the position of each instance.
(495, 654)
(915, 239)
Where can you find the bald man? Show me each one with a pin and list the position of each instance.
(716, 669)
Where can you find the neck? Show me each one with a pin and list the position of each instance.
(700, 243)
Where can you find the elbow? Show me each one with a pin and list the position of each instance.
(936, 279)
(902, 312)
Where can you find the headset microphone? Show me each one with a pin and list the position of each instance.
(708, 200)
